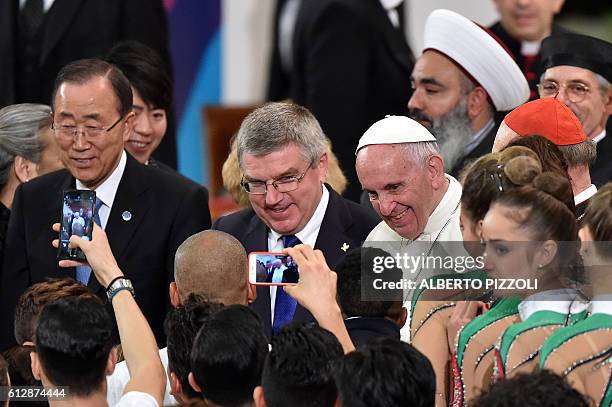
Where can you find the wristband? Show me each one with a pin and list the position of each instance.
(119, 284)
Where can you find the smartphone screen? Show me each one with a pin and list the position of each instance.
(76, 219)
(267, 268)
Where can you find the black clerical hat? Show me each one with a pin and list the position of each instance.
(578, 50)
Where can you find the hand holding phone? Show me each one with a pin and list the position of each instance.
(76, 218)
(270, 268)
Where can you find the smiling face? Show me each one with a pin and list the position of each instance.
(286, 213)
(528, 20)
(402, 192)
(149, 128)
(91, 104)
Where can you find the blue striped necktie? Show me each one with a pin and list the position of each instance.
(284, 305)
(83, 272)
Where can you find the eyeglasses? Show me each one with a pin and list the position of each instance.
(575, 91)
(285, 184)
(68, 131)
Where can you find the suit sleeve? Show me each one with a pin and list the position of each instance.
(192, 216)
(337, 64)
(15, 274)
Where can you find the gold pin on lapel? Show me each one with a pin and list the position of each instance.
(344, 247)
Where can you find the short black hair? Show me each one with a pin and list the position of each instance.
(355, 280)
(73, 341)
(299, 368)
(228, 356)
(84, 70)
(386, 372)
(539, 389)
(146, 71)
(181, 327)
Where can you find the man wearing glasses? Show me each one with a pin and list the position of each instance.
(281, 153)
(579, 73)
(147, 213)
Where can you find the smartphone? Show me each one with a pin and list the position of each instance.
(269, 268)
(77, 218)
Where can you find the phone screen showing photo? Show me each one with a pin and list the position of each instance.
(77, 219)
(274, 269)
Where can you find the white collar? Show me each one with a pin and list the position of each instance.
(46, 4)
(600, 136)
(584, 195)
(530, 47)
(562, 301)
(390, 4)
(601, 305)
(107, 190)
(310, 231)
(443, 212)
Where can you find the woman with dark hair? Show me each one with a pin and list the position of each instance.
(582, 351)
(152, 94)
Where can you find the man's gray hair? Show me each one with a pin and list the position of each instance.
(579, 154)
(19, 128)
(604, 85)
(275, 125)
(421, 151)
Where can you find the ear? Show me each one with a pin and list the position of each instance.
(193, 383)
(258, 397)
(128, 126)
(608, 103)
(24, 169)
(435, 169)
(35, 364)
(476, 102)
(174, 296)
(176, 388)
(323, 167)
(111, 362)
(251, 293)
(478, 229)
(546, 253)
(402, 318)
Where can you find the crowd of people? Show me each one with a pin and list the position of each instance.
(164, 310)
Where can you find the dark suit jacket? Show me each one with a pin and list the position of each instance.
(351, 67)
(344, 222)
(514, 46)
(76, 29)
(601, 170)
(364, 329)
(165, 210)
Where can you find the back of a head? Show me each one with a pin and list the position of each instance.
(37, 296)
(598, 218)
(84, 70)
(228, 356)
(19, 128)
(360, 263)
(276, 125)
(145, 70)
(540, 389)
(212, 264)
(550, 155)
(181, 326)
(493, 174)
(386, 373)
(299, 369)
(73, 342)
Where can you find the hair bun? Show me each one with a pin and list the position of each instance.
(522, 170)
(556, 186)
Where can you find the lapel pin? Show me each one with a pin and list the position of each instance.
(344, 247)
(126, 216)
